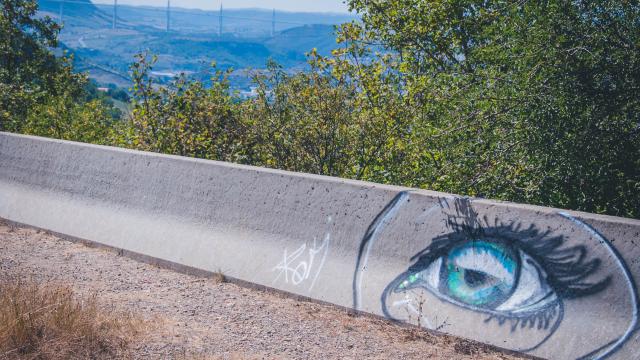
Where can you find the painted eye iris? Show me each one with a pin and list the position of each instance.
(485, 275)
(479, 273)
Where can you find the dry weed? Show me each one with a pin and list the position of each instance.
(218, 277)
(51, 322)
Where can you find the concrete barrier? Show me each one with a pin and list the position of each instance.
(552, 283)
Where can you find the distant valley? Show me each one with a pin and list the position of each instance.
(249, 38)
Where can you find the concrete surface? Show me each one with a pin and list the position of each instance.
(548, 282)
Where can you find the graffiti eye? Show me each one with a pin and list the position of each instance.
(485, 275)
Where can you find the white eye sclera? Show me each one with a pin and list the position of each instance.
(489, 276)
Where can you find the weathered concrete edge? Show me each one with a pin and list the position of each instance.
(200, 273)
(336, 180)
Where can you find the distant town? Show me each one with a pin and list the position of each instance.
(105, 38)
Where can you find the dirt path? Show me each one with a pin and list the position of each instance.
(192, 317)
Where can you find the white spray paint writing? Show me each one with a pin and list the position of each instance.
(301, 265)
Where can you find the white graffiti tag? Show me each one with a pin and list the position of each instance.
(301, 264)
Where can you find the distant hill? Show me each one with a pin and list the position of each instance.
(240, 22)
(81, 12)
(291, 44)
(193, 41)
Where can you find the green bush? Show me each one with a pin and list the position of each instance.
(532, 102)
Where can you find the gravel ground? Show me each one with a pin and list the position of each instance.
(197, 318)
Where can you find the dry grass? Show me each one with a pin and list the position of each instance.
(52, 322)
(218, 277)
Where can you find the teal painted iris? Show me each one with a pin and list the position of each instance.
(480, 273)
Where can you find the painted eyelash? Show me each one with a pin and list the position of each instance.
(566, 268)
(542, 318)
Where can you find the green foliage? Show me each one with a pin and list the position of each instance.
(314, 121)
(39, 92)
(59, 118)
(184, 119)
(91, 92)
(302, 122)
(118, 93)
(533, 102)
(28, 70)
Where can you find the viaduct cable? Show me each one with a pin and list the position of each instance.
(168, 15)
(115, 13)
(220, 21)
(273, 23)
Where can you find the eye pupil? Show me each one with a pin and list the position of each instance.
(479, 273)
(475, 278)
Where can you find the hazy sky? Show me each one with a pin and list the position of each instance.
(288, 5)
